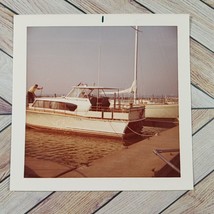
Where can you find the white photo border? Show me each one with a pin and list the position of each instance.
(17, 180)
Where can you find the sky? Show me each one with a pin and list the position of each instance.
(61, 57)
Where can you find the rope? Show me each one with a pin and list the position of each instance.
(142, 135)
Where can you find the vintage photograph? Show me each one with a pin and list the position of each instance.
(102, 101)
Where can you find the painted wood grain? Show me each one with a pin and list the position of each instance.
(209, 2)
(198, 201)
(201, 118)
(5, 79)
(201, 58)
(155, 201)
(203, 148)
(6, 29)
(202, 63)
(18, 202)
(201, 99)
(110, 6)
(5, 151)
(40, 6)
(5, 120)
(73, 202)
(10, 201)
(5, 108)
(202, 16)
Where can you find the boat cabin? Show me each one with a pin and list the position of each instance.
(96, 95)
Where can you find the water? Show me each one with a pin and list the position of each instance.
(73, 150)
(67, 149)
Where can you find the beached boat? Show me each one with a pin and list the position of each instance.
(87, 109)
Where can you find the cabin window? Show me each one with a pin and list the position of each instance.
(55, 105)
(46, 104)
(38, 103)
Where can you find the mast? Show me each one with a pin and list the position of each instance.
(135, 63)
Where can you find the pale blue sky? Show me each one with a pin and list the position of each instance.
(61, 57)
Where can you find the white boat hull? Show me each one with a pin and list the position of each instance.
(78, 124)
(161, 111)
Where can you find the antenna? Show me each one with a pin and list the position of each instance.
(135, 63)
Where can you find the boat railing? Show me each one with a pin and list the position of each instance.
(158, 153)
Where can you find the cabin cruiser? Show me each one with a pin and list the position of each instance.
(87, 110)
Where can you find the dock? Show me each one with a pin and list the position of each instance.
(136, 160)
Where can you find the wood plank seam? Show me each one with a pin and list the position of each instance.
(203, 108)
(206, 4)
(138, 3)
(201, 44)
(5, 127)
(40, 202)
(202, 91)
(186, 192)
(75, 6)
(5, 101)
(112, 198)
(7, 177)
(173, 202)
(6, 53)
(9, 8)
(202, 127)
(5, 113)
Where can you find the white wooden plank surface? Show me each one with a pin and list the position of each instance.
(141, 200)
(18, 202)
(110, 6)
(5, 77)
(209, 2)
(5, 120)
(155, 201)
(5, 108)
(200, 118)
(202, 63)
(5, 151)
(200, 99)
(40, 6)
(6, 28)
(72, 202)
(202, 17)
(201, 200)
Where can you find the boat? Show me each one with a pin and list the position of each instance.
(87, 110)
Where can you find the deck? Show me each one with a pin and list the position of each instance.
(202, 85)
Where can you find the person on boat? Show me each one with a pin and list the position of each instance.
(31, 93)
